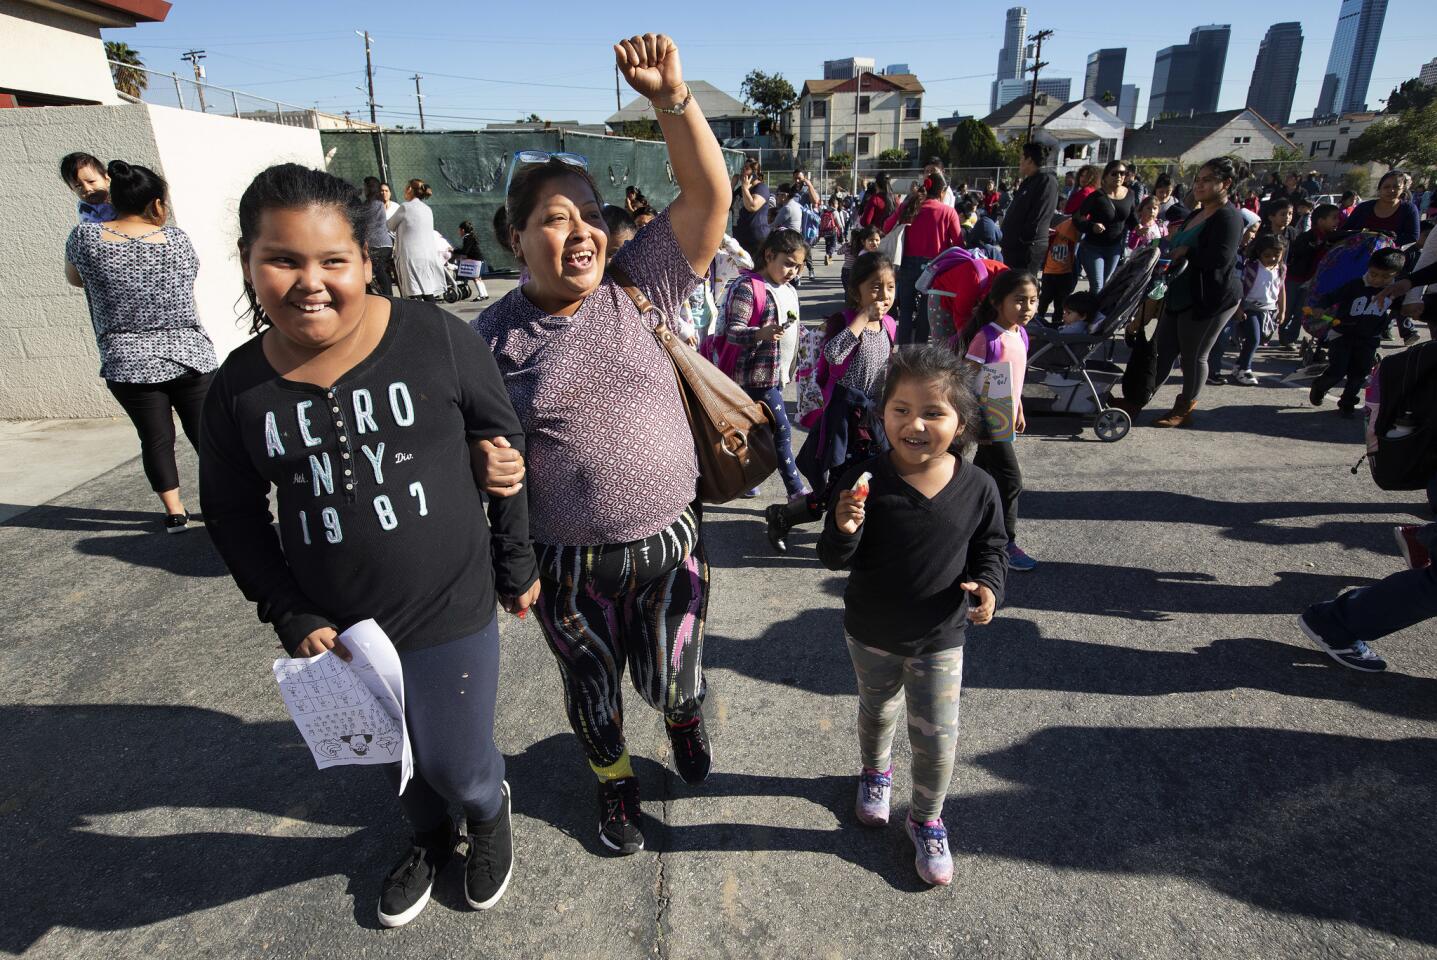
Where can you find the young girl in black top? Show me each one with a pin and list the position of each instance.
(922, 532)
(360, 410)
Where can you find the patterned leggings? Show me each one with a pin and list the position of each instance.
(931, 685)
(782, 437)
(643, 603)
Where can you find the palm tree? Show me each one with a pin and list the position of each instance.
(128, 80)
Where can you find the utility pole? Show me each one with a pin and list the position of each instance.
(618, 103)
(373, 115)
(1038, 64)
(419, 97)
(194, 57)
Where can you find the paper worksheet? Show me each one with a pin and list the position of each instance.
(350, 712)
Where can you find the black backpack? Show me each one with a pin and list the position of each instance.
(1402, 430)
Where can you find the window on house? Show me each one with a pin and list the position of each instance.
(818, 109)
(1242, 139)
(912, 108)
(863, 144)
(863, 104)
(911, 145)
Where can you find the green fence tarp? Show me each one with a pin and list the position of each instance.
(466, 170)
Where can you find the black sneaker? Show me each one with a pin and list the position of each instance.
(490, 863)
(692, 755)
(406, 890)
(619, 815)
(1356, 656)
(778, 527)
(1316, 395)
(177, 522)
(1216, 380)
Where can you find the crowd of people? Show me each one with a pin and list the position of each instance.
(548, 461)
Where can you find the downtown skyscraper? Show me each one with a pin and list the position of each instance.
(1187, 77)
(1349, 65)
(1274, 76)
(1011, 61)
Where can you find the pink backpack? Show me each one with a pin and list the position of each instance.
(827, 375)
(716, 347)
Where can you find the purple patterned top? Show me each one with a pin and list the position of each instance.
(610, 455)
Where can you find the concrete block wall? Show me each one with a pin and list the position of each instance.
(49, 366)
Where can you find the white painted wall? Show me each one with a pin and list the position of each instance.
(1262, 140)
(208, 161)
(884, 122)
(46, 51)
(48, 361)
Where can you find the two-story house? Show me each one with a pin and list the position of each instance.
(861, 116)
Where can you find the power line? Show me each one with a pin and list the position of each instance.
(194, 57)
(419, 98)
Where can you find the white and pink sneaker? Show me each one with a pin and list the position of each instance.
(874, 789)
(934, 862)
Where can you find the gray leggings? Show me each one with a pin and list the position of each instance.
(1188, 334)
(930, 685)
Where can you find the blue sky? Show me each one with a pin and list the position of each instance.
(553, 58)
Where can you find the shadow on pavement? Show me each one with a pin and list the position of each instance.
(116, 816)
(1015, 655)
(133, 537)
(1319, 825)
(1137, 593)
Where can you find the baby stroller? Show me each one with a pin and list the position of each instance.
(461, 281)
(1065, 373)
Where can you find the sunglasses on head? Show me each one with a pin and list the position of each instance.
(529, 158)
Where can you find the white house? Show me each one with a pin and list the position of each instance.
(1081, 132)
(1195, 139)
(1324, 141)
(861, 116)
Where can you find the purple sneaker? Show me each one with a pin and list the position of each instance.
(934, 862)
(874, 789)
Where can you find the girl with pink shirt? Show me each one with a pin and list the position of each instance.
(997, 334)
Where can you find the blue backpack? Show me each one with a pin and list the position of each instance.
(811, 221)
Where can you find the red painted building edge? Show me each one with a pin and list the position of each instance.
(7, 100)
(147, 11)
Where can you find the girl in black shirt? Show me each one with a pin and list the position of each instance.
(921, 529)
(359, 410)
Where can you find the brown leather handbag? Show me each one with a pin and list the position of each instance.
(733, 433)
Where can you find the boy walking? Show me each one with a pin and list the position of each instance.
(1362, 316)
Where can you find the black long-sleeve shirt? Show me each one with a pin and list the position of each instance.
(1025, 225)
(911, 554)
(379, 513)
(1116, 216)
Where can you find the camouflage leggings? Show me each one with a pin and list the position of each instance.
(930, 684)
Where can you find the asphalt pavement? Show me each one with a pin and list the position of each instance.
(1154, 763)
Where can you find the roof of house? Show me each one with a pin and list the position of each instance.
(1175, 136)
(1090, 107)
(714, 102)
(1009, 112)
(872, 82)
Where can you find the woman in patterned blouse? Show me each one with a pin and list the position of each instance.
(612, 468)
(139, 275)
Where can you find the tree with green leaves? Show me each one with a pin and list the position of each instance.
(1410, 95)
(974, 145)
(645, 128)
(1409, 138)
(894, 158)
(1289, 159)
(771, 97)
(932, 143)
(124, 68)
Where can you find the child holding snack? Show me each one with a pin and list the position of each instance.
(928, 561)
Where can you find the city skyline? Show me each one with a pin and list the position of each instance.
(1352, 56)
(306, 56)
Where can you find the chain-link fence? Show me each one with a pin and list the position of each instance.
(467, 169)
(172, 90)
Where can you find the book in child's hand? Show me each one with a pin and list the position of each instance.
(995, 397)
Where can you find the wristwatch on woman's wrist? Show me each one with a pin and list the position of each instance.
(677, 110)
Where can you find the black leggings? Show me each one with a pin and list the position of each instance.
(149, 406)
(1000, 461)
(1056, 287)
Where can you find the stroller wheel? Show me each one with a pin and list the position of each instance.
(1112, 424)
(450, 295)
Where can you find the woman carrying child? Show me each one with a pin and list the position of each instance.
(761, 320)
(360, 411)
(929, 561)
(997, 334)
(612, 478)
(858, 341)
